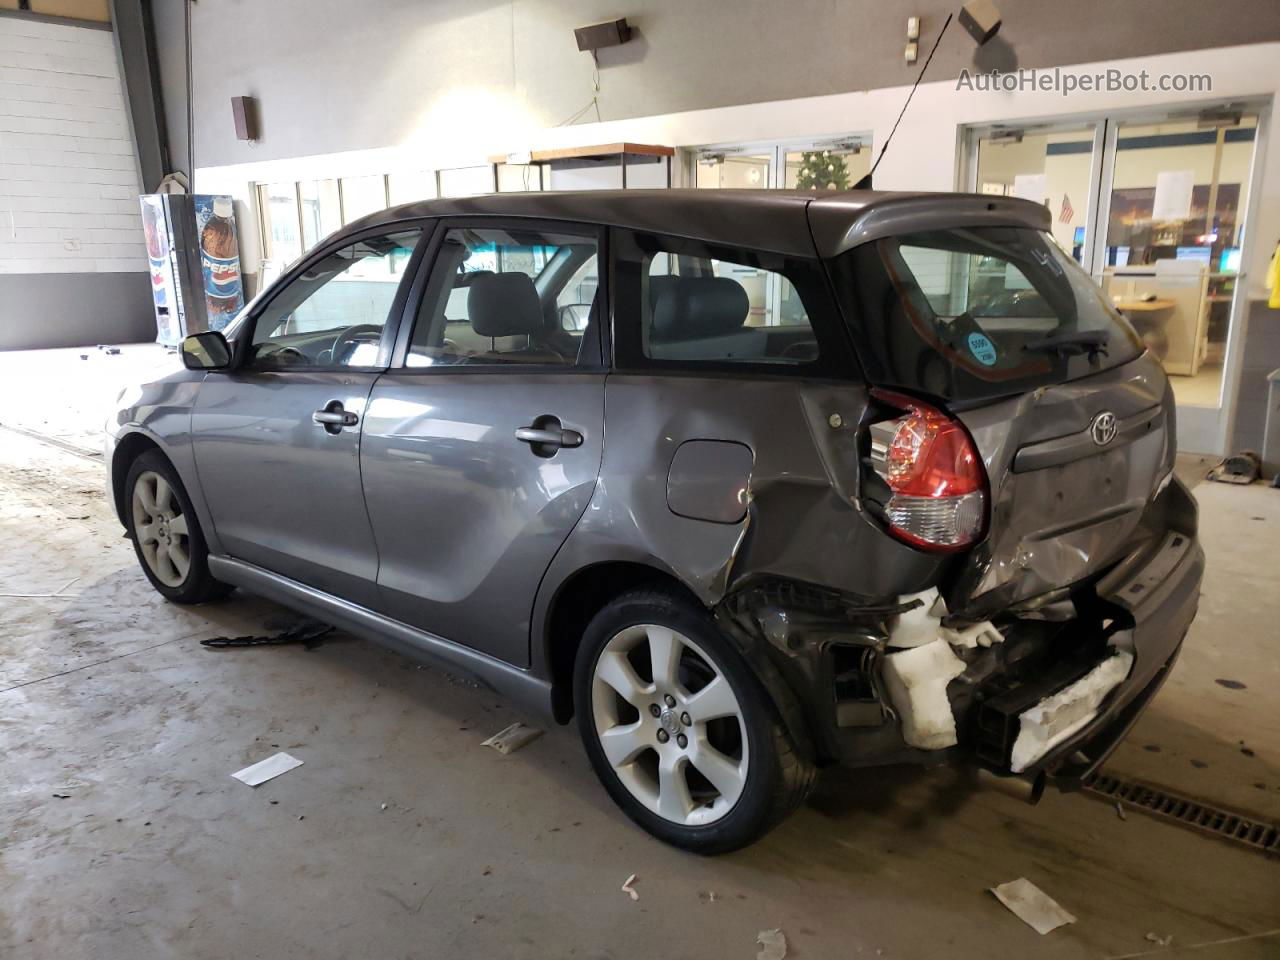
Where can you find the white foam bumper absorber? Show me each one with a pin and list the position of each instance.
(1055, 718)
(917, 684)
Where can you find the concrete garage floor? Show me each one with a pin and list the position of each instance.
(153, 850)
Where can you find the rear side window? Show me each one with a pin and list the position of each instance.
(687, 304)
(973, 313)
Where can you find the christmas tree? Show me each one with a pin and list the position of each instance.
(822, 171)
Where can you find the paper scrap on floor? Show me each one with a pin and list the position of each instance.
(773, 945)
(1032, 905)
(629, 888)
(512, 738)
(264, 770)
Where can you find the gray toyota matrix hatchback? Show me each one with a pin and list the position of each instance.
(748, 482)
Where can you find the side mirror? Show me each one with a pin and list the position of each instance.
(206, 351)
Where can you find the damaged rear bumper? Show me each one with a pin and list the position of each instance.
(869, 684)
(1161, 598)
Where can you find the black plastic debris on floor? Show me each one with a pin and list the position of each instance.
(308, 633)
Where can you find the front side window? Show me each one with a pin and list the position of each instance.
(506, 296)
(979, 312)
(333, 314)
(684, 302)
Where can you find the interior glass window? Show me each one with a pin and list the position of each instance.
(362, 196)
(466, 181)
(278, 212)
(410, 185)
(509, 295)
(321, 210)
(334, 313)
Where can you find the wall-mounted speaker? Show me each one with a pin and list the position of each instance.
(600, 35)
(245, 112)
(981, 18)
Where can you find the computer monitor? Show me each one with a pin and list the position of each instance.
(1078, 237)
(1118, 256)
(1204, 254)
(1230, 261)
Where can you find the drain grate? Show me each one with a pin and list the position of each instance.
(1190, 813)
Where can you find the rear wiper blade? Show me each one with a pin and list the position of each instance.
(1092, 342)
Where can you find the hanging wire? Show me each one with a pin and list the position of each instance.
(594, 102)
(885, 146)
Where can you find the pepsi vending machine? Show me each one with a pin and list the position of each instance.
(194, 260)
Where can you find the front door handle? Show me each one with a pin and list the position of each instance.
(547, 434)
(343, 418)
(333, 418)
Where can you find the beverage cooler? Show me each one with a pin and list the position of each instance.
(194, 262)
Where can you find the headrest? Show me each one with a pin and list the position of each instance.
(504, 305)
(689, 308)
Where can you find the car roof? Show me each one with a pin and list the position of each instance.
(791, 222)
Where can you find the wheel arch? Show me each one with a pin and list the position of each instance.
(578, 598)
(128, 448)
(588, 588)
(178, 451)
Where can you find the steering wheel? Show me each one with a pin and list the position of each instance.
(282, 356)
(350, 338)
(800, 350)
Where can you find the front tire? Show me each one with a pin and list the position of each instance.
(166, 534)
(679, 729)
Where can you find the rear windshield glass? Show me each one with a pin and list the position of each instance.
(974, 313)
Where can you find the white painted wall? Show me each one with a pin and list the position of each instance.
(68, 174)
(923, 156)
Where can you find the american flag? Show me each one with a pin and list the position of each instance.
(1068, 212)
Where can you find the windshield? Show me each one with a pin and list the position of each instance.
(979, 312)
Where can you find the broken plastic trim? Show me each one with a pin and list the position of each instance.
(307, 633)
(803, 640)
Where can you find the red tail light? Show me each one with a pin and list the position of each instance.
(938, 483)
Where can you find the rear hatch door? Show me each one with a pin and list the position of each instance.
(1072, 418)
(1072, 469)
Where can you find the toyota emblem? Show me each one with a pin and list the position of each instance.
(1103, 428)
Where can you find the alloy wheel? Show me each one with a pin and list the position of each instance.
(669, 724)
(161, 529)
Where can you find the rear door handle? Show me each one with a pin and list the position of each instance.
(550, 436)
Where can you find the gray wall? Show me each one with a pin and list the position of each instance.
(129, 23)
(74, 309)
(169, 26)
(1261, 356)
(333, 75)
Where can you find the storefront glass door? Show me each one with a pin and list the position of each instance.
(1174, 234)
(1155, 208)
(833, 166)
(1056, 166)
(722, 170)
(829, 164)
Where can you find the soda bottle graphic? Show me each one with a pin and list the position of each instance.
(157, 250)
(156, 232)
(220, 263)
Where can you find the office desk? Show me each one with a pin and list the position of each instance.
(1146, 319)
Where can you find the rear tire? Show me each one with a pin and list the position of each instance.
(679, 729)
(166, 534)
